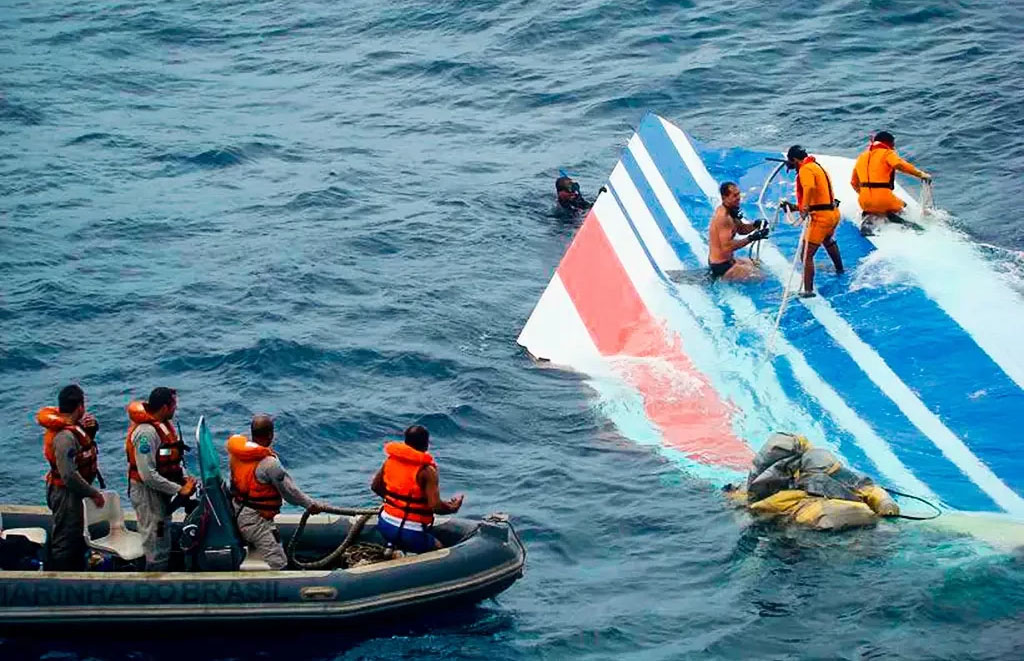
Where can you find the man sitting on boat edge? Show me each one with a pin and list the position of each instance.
(408, 482)
(726, 223)
(259, 484)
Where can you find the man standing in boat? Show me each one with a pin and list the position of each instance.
(156, 472)
(259, 485)
(408, 482)
(817, 204)
(726, 223)
(874, 179)
(69, 445)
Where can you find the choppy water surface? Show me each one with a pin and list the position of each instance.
(340, 213)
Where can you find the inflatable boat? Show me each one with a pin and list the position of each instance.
(215, 581)
(906, 366)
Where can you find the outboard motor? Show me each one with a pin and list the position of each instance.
(209, 536)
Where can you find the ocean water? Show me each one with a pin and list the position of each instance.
(342, 214)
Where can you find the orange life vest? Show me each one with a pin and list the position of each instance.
(168, 454)
(873, 167)
(51, 419)
(823, 200)
(403, 497)
(244, 456)
(876, 177)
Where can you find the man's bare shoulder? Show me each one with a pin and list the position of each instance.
(720, 216)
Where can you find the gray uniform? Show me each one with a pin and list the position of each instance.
(67, 543)
(259, 532)
(151, 499)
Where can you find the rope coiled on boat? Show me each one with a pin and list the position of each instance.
(364, 515)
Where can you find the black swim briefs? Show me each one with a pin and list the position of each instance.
(719, 269)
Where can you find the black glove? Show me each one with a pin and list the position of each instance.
(758, 224)
(786, 205)
(758, 235)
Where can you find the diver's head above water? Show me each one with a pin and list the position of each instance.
(261, 429)
(566, 185)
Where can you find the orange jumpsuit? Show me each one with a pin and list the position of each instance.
(812, 183)
(874, 179)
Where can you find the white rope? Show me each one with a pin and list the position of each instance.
(787, 292)
(926, 199)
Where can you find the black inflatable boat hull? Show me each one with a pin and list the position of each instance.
(485, 558)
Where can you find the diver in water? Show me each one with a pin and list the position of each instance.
(817, 203)
(726, 223)
(569, 196)
(874, 179)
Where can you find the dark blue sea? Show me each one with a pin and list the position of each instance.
(341, 213)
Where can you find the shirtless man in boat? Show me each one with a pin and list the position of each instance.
(726, 223)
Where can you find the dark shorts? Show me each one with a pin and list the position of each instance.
(413, 541)
(719, 269)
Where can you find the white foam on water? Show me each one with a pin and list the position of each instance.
(951, 270)
(624, 406)
(878, 272)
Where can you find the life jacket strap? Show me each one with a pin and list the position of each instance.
(824, 207)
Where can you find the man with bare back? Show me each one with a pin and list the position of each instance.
(726, 223)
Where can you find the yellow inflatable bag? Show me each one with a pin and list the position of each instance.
(809, 486)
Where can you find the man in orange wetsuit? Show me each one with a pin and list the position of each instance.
(408, 482)
(819, 207)
(874, 179)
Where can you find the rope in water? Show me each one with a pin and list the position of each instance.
(353, 534)
(911, 517)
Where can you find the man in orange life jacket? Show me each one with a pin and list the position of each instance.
(408, 483)
(69, 445)
(818, 204)
(874, 179)
(156, 472)
(259, 484)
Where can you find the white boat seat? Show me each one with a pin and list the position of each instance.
(34, 535)
(253, 561)
(120, 541)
